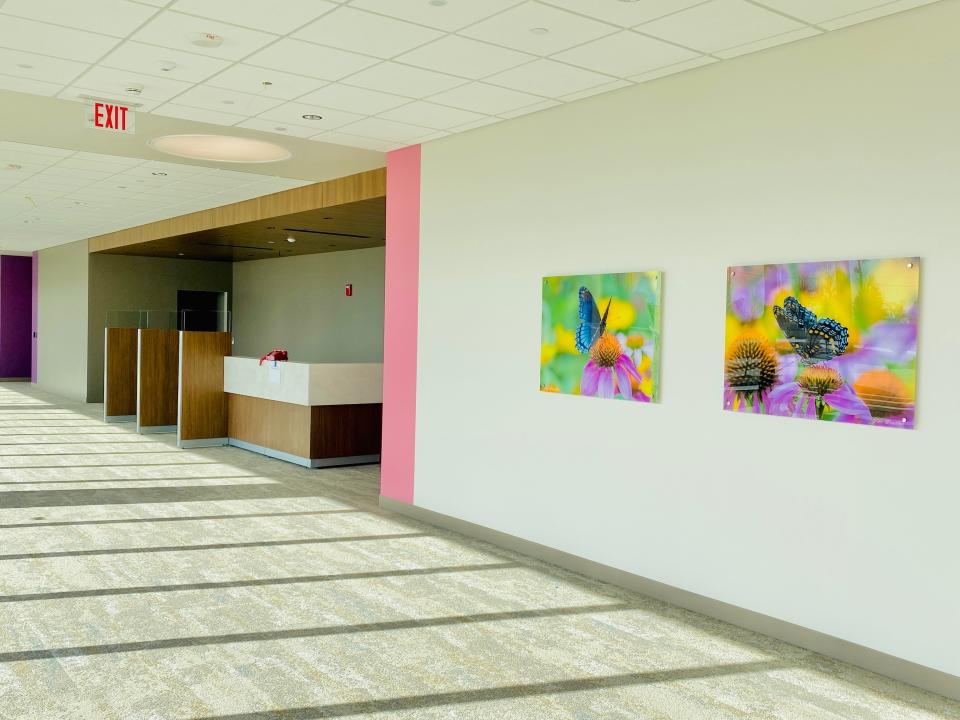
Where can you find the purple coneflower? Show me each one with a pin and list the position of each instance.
(816, 388)
(609, 369)
(751, 370)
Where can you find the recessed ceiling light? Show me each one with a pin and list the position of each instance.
(220, 148)
(160, 174)
(180, 254)
(310, 116)
(25, 66)
(227, 102)
(167, 65)
(539, 30)
(207, 40)
(270, 242)
(291, 239)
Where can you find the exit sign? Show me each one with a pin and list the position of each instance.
(111, 117)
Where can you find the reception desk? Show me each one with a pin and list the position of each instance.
(315, 415)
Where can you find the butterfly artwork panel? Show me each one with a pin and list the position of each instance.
(830, 341)
(600, 335)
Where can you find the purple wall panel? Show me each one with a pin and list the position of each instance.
(16, 315)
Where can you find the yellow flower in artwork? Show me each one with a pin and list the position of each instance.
(622, 314)
(899, 284)
(548, 351)
(833, 298)
(635, 341)
(644, 365)
(566, 341)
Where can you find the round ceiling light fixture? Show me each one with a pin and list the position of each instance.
(220, 148)
(311, 116)
(291, 239)
(539, 30)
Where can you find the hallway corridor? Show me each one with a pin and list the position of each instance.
(138, 581)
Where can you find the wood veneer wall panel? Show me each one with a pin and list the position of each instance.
(269, 423)
(157, 378)
(345, 430)
(352, 188)
(203, 403)
(120, 372)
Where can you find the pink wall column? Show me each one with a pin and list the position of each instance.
(400, 324)
(35, 316)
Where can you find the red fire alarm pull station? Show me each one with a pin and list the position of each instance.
(349, 290)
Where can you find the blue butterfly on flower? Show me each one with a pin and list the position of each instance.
(814, 340)
(610, 369)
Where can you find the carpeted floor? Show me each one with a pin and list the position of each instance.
(142, 581)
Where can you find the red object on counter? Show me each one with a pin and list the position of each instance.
(275, 355)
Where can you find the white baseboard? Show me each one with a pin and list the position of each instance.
(905, 671)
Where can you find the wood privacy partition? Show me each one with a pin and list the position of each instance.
(120, 375)
(157, 379)
(202, 417)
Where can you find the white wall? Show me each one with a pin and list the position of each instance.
(62, 321)
(842, 146)
(298, 304)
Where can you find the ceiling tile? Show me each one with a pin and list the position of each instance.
(548, 78)
(39, 67)
(363, 32)
(452, 16)
(878, 12)
(277, 17)
(293, 113)
(109, 17)
(431, 115)
(33, 87)
(113, 83)
(412, 82)
(353, 99)
(179, 31)
(769, 42)
(720, 24)
(673, 69)
(251, 79)
(486, 99)
(815, 11)
(151, 60)
(53, 152)
(536, 107)
(19, 34)
(381, 129)
(231, 101)
(478, 124)
(81, 94)
(278, 128)
(338, 138)
(624, 54)
(538, 29)
(464, 57)
(199, 114)
(106, 161)
(590, 92)
(303, 58)
(624, 12)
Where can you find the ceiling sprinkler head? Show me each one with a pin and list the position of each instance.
(167, 66)
(207, 40)
(133, 89)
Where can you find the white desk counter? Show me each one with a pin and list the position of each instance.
(304, 383)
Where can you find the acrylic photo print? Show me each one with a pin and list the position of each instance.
(828, 341)
(600, 335)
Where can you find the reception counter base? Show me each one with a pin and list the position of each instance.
(310, 436)
(305, 462)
